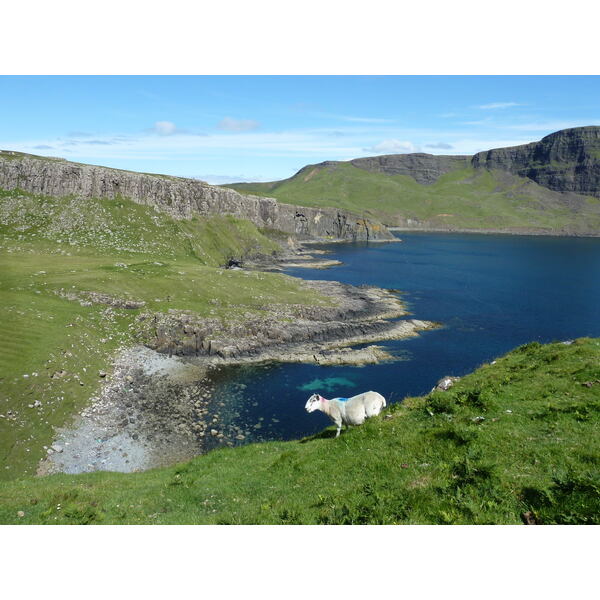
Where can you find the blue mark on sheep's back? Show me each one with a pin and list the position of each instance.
(328, 384)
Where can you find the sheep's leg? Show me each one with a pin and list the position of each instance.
(339, 427)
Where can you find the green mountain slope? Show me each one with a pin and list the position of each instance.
(467, 198)
(515, 440)
(56, 253)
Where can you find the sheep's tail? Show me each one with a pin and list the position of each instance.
(382, 397)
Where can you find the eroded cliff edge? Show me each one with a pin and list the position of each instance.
(564, 161)
(180, 197)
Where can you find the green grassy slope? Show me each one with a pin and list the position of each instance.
(462, 199)
(52, 347)
(513, 437)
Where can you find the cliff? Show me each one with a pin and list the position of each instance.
(423, 168)
(179, 197)
(564, 161)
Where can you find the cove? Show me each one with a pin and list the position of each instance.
(491, 293)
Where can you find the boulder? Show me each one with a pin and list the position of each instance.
(445, 383)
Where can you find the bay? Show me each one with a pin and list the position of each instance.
(491, 293)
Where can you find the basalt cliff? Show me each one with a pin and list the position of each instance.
(423, 168)
(181, 198)
(564, 161)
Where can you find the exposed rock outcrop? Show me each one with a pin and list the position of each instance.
(359, 315)
(179, 197)
(423, 168)
(564, 161)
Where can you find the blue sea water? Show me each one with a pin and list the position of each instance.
(492, 293)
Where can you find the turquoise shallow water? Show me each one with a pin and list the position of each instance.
(491, 292)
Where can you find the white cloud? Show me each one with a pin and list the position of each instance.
(165, 128)
(440, 146)
(480, 122)
(392, 147)
(551, 126)
(352, 119)
(467, 145)
(306, 143)
(221, 179)
(231, 150)
(362, 119)
(347, 118)
(230, 124)
(494, 105)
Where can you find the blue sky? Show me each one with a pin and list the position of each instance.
(227, 128)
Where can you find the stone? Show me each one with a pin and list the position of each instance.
(529, 518)
(423, 168)
(445, 383)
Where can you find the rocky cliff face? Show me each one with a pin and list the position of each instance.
(423, 168)
(565, 161)
(179, 197)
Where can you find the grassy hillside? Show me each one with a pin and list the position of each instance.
(462, 199)
(55, 252)
(518, 436)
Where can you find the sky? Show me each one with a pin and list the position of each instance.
(223, 129)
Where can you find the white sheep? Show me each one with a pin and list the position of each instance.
(347, 411)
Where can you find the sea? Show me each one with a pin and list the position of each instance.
(490, 293)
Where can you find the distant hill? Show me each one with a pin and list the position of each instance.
(550, 186)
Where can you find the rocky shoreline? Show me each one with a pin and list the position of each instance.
(355, 315)
(156, 406)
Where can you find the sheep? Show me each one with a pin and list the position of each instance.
(347, 411)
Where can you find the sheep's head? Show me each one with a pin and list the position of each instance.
(313, 403)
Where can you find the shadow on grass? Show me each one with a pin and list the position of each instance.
(322, 435)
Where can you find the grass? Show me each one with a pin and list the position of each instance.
(462, 199)
(53, 347)
(516, 436)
